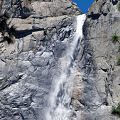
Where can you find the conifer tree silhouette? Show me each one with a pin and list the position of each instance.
(6, 31)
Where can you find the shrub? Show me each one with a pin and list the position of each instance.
(30, 1)
(113, 111)
(4, 27)
(119, 49)
(118, 6)
(115, 38)
(116, 111)
(118, 61)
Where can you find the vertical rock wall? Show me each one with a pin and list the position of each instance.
(27, 67)
(97, 85)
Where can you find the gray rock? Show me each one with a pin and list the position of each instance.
(98, 87)
(28, 67)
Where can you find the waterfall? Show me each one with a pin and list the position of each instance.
(60, 97)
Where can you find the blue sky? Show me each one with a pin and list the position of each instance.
(84, 4)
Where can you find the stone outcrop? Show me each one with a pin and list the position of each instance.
(27, 67)
(44, 29)
(97, 86)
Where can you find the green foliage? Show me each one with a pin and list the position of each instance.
(12, 30)
(4, 28)
(113, 111)
(116, 111)
(30, 1)
(118, 61)
(115, 38)
(8, 39)
(3, 22)
(118, 6)
(119, 49)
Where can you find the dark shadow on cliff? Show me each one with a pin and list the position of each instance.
(94, 16)
(23, 33)
(114, 2)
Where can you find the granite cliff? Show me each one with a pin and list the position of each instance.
(101, 80)
(45, 30)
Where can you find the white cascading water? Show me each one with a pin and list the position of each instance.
(60, 97)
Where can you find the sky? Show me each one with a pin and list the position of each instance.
(84, 4)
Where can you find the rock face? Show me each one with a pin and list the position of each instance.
(97, 86)
(27, 67)
(44, 30)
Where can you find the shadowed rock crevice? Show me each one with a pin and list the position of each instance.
(94, 16)
(24, 33)
(114, 2)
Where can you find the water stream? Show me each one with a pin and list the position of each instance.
(60, 97)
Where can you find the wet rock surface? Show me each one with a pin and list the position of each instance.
(44, 30)
(28, 66)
